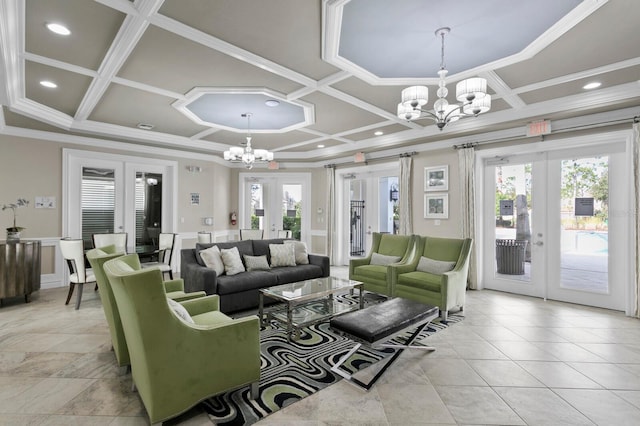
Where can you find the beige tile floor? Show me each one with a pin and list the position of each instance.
(513, 361)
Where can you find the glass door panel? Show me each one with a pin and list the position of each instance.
(291, 211)
(584, 212)
(148, 206)
(97, 202)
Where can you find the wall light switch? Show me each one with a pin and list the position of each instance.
(182, 220)
(207, 221)
(436, 222)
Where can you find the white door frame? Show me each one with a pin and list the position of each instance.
(73, 161)
(625, 272)
(274, 203)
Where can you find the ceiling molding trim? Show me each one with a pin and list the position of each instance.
(205, 132)
(215, 43)
(124, 6)
(107, 144)
(125, 41)
(148, 88)
(366, 128)
(39, 112)
(115, 130)
(11, 42)
(60, 65)
(503, 90)
(579, 75)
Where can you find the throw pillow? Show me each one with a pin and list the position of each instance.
(212, 259)
(282, 255)
(432, 266)
(382, 259)
(300, 251)
(256, 263)
(180, 311)
(232, 262)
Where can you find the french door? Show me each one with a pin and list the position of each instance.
(548, 225)
(113, 193)
(279, 205)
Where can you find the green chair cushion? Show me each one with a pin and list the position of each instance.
(211, 318)
(419, 279)
(377, 272)
(447, 249)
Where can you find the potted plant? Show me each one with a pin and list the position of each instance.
(13, 232)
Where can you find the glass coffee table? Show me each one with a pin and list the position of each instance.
(308, 302)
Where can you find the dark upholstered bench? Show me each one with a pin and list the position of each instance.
(374, 325)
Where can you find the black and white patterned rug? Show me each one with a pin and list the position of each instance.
(291, 371)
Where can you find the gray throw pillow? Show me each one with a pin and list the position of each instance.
(436, 267)
(232, 262)
(282, 255)
(382, 259)
(300, 251)
(256, 263)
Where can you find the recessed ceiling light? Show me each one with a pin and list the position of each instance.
(145, 126)
(592, 85)
(320, 146)
(58, 29)
(49, 84)
(272, 103)
(379, 133)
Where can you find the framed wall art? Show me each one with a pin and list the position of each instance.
(436, 206)
(436, 178)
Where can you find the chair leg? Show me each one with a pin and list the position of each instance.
(255, 390)
(71, 287)
(96, 287)
(79, 295)
(170, 274)
(443, 315)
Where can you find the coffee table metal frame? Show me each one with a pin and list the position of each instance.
(299, 294)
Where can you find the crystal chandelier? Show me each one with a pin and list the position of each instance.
(472, 93)
(247, 155)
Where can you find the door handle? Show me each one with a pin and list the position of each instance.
(539, 243)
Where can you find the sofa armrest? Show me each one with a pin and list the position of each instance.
(174, 285)
(202, 304)
(322, 261)
(196, 277)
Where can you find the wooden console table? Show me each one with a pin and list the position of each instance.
(19, 268)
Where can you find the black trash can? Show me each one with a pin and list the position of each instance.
(510, 255)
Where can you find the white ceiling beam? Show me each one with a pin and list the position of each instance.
(60, 65)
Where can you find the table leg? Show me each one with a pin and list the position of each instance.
(289, 321)
(361, 297)
(261, 310)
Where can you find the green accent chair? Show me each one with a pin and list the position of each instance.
(97, 257)
(176, 364)
(436, 274)
(373, 270)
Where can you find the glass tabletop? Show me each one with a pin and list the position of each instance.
(310, 289)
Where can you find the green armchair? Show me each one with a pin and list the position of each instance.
(97, 257)
(373, 270)
(436, 274)
(176, 364)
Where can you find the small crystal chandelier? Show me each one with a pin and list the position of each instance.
(471, 92)
(247, 155)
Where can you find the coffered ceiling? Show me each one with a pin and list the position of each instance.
(331, 70)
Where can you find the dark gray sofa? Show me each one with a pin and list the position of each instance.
(239, 292)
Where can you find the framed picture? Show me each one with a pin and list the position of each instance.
(195, 198)
(436, 178)
(436, 206)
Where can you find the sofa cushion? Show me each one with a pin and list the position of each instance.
(381, 259)
(300, 251)
(232, 261)
(377, 272)
(432, 266)
(212, 259)
(288, 274)
(244, 247)
(256, 263)
(421, 280)
(282, 255)
(250, 280)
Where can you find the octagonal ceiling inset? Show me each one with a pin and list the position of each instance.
(223, 108)
(386, 42)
